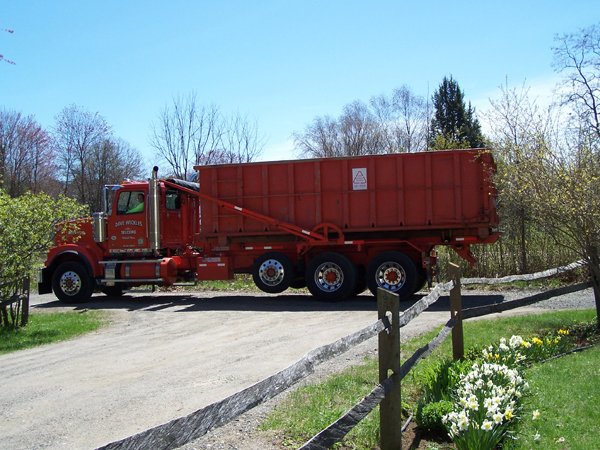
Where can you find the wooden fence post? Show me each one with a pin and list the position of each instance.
(390, 409)
(458, 344)
(25, 302)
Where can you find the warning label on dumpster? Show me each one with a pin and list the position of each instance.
(359, 179)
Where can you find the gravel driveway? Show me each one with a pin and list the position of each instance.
(167, 355)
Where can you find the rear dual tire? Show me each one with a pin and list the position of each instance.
(331, 277)
(394, 272)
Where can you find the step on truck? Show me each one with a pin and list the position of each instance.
(336, 226)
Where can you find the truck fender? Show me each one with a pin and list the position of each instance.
(45, 274)
(74, 255)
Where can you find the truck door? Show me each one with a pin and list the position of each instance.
(128, 227)
(172, 230)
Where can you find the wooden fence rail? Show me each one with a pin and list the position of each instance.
(525, 277)
(525, 301)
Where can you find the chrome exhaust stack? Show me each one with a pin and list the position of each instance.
(153, 208)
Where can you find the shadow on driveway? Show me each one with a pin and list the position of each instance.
(236, 301)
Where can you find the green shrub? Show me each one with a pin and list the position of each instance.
(438, 380)
(429, 416)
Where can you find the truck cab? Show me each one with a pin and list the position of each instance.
(125, 245)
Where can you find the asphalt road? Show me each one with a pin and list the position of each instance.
(164, 356)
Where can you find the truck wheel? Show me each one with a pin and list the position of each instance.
(331, 277)
(394, 272)
(273, 272)
(71, 283)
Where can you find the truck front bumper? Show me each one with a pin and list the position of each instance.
(44, 282)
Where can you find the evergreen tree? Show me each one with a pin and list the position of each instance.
(454, 125)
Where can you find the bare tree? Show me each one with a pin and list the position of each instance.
(187, 134)
(355, 132)
(412, 120)
(578, 56)
(388, 124)
(548, 178)
(8, 139)
(210, 130)
(519, 130)
(321, 139)
(241, 139)
(174, 136)
(110, 161)
(25, 153)
(34, 165)
(403, 121)
(89, 156)
(359, 130)
(76, 133)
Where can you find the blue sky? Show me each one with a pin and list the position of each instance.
(282, 63)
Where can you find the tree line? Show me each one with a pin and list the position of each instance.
(79, 154)
(75, 158)
(396, 123)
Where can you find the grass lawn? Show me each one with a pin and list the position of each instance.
(50, 327)
(309, 409)
(565, 391)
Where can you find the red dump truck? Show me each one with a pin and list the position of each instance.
(336, 226)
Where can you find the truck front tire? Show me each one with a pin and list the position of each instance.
(273, 272)
(394, 272)
(331, 277)
(72, 283)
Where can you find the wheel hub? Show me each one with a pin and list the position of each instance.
(329, 277)
(391, 276)
(271, 272)
(70, 283)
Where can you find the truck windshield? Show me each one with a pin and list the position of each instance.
(109, 194)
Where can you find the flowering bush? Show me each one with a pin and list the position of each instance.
(487, 401)
(488, 398)
(520, 351)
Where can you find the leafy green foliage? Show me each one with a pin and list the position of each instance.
(429, 415)
(26, 231)
(439, 378)
(549, 161)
